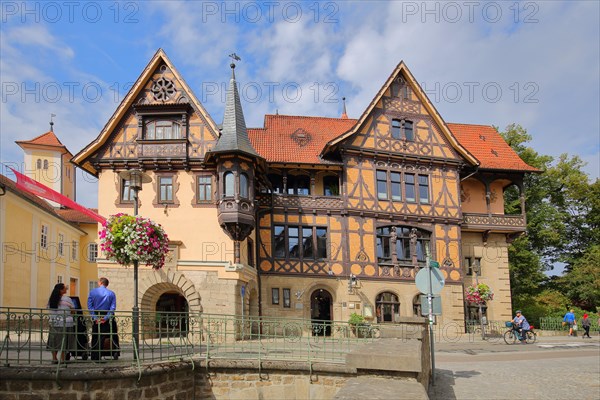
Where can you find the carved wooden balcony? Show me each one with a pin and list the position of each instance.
(495, 222)
(174, 148)
(304, 202)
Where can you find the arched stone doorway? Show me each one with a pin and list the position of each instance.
(167, 290)
(321, 311)
(155, 283)
(172, 315)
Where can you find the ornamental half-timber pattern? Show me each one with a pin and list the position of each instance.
(363, 226)
(352, 219)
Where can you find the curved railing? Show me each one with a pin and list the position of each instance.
(173, 336)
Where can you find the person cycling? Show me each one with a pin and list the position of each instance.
(521, 325)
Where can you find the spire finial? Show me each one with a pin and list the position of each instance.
(344, 114)
(234, 57)
(52, 122)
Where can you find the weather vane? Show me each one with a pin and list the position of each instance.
(235, 57)
(52, 122)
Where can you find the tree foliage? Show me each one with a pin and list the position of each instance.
(563, 226)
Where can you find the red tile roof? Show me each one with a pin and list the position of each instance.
(486, 144)
(76, 216)
(46, 139)
(296, 139)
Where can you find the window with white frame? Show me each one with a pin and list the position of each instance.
(92, 285)
(61, 244)
(74, 250)
(59, 279)
(92, 252)
(44, 237)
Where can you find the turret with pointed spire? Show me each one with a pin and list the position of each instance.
(234, 135)
(236, 161)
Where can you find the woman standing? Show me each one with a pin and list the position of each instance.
(61, 322)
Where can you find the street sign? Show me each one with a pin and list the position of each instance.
(434, 264)
(422, 280)
(437, 305)
(243, 290)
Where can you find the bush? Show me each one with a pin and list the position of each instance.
(356, 319)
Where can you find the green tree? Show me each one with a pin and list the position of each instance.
(582, 283)
(563, 224)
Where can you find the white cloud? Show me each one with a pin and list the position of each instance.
(554, 61)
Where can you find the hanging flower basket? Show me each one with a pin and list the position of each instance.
(125, 239)
(479, 294)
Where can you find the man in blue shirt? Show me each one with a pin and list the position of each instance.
(102, 303)
(522, 325)
(570, 320)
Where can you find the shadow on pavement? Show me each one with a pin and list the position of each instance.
(444, 383)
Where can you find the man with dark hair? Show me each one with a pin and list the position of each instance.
(102, 303)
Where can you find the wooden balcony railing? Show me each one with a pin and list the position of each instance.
(494, 221)
(309, 202)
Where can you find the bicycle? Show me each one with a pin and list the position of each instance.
(511, 335)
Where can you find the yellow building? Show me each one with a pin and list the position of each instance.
(43, 244)
(308, 217)
(48, 161)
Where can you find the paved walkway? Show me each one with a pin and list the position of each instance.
(553, 368)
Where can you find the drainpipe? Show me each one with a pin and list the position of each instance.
(471, 174)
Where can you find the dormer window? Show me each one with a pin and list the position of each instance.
(163, 129)
(402, 129)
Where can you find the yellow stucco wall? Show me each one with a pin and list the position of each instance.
(29, 271)
(197, 228)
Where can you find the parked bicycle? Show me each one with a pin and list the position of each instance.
(512, 335)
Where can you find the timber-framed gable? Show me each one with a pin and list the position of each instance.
(159, 125)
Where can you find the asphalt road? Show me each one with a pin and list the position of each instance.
(553, 368)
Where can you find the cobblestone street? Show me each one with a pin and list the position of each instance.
(553, 368)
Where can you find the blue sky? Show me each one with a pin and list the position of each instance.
(530, 62)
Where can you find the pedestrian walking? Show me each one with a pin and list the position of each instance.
(585, 322)
(569, 319)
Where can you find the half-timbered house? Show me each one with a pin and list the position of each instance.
(309, 217)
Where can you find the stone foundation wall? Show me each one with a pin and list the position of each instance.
(173, 381)
(169, 383)
(271, 385)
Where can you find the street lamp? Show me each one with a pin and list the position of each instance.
(477, 271)
(136, 178)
